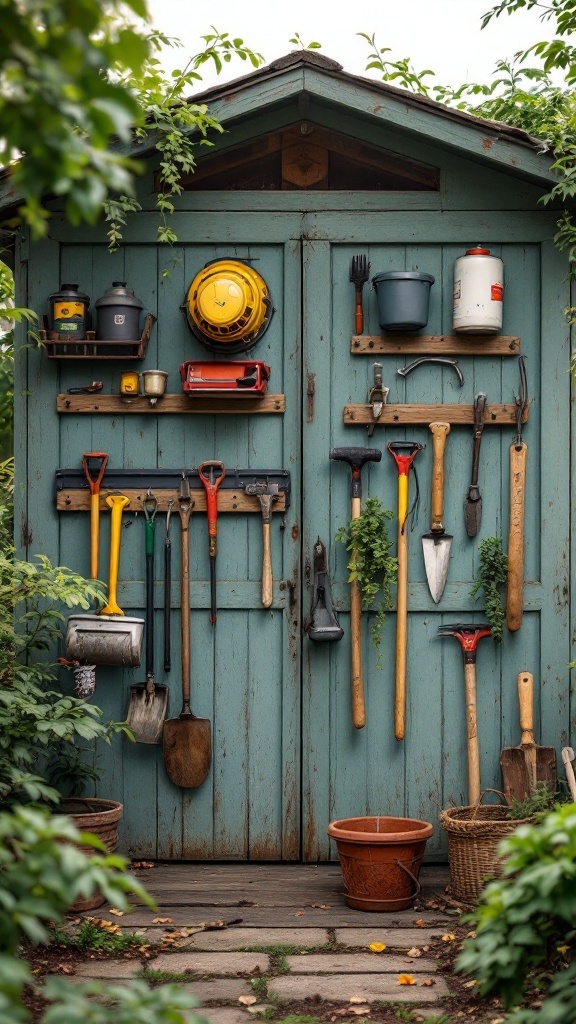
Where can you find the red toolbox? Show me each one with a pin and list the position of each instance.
(239, 377)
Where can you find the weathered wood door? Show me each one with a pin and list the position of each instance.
(348, 772)
(286, 758)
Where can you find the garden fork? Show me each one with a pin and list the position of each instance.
(359, 272)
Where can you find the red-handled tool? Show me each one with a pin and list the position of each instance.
(403, 453)
(211, 485)
(469, 637)
(94, 482)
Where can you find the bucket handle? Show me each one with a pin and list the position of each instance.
(414, 879)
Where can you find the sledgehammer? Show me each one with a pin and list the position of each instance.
(356, 457)
(267, 494)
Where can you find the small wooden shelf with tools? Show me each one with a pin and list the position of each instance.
(435, 345)
(394, 415)
(140, 405)
(94, 348)
(78, 500)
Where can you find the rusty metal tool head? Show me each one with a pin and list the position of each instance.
(445, 360)
(473, 501)
(377, 397)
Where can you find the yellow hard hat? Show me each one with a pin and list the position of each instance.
(228, 305)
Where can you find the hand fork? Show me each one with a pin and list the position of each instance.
(359, 272)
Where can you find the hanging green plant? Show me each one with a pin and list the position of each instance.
(491, 579)
(367, 540)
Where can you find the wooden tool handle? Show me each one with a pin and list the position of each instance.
(401, 637)
(358, 312)
(94, 534)
(526, 705)
(569, 771)
(266, 567)
(515, 580)
(440, 432)
(472, 734)
(357, 682)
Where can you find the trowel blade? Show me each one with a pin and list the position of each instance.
(436, 550)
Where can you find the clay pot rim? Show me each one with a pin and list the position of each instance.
(108, 811)
(422, 830)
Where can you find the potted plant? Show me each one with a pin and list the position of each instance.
(42, 761)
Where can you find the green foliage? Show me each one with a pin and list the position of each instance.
(60, 107)
(298, 41)
(88, 937)
(542, 801)
(367, 540)
(525, 922)
(491, 578)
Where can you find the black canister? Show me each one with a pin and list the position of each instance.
(68, 316)
(118, 314)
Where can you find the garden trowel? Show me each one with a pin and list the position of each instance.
(436, 544)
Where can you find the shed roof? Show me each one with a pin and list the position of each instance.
(306, 75)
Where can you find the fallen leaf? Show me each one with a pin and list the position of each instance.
(117, 913)
(162, 920)
(470, 984)
(449, 937)
(247, 1000)
(406, 979)
(320, 906)
(420, 922)
(66, 968)
(143, 864)
(360, 1011)
(213, 926)
(377, 947)
(562, 949)
(432, 905)
(357, 999)
(428, 982)
(299, 913)
(414, 952)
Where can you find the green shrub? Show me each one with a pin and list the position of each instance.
(525, 922)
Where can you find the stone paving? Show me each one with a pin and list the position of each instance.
(221, 971)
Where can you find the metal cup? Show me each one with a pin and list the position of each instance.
(154, 384)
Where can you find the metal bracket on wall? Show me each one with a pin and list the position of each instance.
(73, 494)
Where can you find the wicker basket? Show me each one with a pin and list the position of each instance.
(474, 833)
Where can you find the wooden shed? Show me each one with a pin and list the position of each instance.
(315, 167)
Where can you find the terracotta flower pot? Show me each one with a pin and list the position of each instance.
(380, 859)
(91, 814)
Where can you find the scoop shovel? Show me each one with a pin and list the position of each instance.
(525, 766)
(186, 739)
(148, 701)
(436, 544)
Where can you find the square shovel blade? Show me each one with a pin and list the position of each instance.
(436, 550)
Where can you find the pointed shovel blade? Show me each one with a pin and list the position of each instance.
(436, 549)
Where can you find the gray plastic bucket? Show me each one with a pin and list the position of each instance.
(403, 299)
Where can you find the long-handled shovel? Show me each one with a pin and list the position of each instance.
(356, 457)
(469, 637)
(436, 544)
(94, 482)
(403, 453)
(148, 701)
(187, 740)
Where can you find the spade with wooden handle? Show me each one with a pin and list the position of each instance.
(436, 544)
(524, 767)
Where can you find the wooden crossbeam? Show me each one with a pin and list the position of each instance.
(495, 415)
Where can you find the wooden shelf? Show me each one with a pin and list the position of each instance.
(78, 500)
(394, 415)
(115, 405)
(90, 348)
(435, 345)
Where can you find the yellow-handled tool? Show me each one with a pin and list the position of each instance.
(115, 502)
(518, 454)
(94, 477)
(403, 453)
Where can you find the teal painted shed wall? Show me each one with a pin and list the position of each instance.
(286, 758)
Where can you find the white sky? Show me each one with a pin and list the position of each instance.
(443, 35)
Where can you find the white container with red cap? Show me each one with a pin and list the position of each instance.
(478, 293)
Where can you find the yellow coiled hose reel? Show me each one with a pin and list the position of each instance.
(228, 306)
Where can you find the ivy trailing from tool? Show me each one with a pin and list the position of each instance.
(491, 579)
(371, 564)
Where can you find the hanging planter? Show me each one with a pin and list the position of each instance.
(380, 858)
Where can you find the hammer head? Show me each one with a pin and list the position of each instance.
(468, 634)
(356, 458)
(266, 493)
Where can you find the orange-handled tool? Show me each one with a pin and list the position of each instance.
(211, 486)
(94, 476)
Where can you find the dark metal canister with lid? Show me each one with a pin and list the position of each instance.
(118, 314)
(68, 317)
